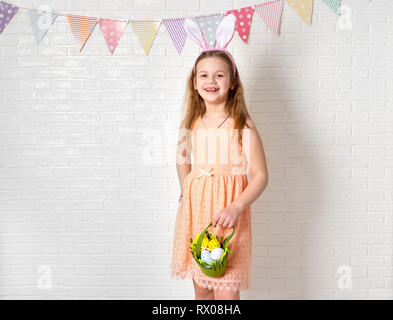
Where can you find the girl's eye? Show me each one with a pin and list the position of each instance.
(204, 75)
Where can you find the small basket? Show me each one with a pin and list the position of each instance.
(217, 268)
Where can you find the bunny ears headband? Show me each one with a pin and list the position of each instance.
(224, 35)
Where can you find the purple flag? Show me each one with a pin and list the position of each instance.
(7, 12)
(175, 28)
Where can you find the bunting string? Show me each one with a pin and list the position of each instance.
(270, 11)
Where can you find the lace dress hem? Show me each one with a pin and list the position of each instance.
(235, 284)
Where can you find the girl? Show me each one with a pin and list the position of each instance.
(219, 191)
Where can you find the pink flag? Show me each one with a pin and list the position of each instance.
(112, 31)
(243, 21)
(271, 12)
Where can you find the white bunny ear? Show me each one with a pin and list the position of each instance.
(225, 31)
(195, 33)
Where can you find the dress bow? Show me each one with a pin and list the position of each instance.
(204, 172)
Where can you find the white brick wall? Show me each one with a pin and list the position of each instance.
(83, 214)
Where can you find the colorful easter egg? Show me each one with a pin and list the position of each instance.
(205, 257)
(216, 254)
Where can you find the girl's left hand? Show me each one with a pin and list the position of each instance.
(227, 217)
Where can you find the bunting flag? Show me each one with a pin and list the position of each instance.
(271, 13)
(209, 26)
(112, 30)
(40, 23)
(303, 9)
(7, 12)
(81, 27)
(175, 28)
(334, 5)
(243, 21)
(146, 32)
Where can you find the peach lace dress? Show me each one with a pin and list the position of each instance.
(211, 185)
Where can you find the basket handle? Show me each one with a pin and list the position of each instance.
(199, 243)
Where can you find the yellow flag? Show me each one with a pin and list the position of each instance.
(303, 9)
(146, 32)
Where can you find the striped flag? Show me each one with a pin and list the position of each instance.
(81, 27)
(146, 32)
(303, 9)
(271, 12)
(175, 28)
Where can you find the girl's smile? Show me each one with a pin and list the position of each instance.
(212, 90)
(212, 80)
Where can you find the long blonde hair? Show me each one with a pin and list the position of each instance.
(194, 106)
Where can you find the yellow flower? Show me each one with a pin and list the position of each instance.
(213, 244)
(205, 241)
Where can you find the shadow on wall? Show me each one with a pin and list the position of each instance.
(289, 244)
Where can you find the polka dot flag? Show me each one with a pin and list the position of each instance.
(40, 23)
(209, 26)
(243, 21)
(333, 4)
(112, 31)
(303, 9)
(7, 12)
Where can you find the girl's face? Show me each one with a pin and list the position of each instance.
(213, 80)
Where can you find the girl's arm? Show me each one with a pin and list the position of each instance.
(182, 172)
(258, 170)
(259, 179)
(183, 162)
